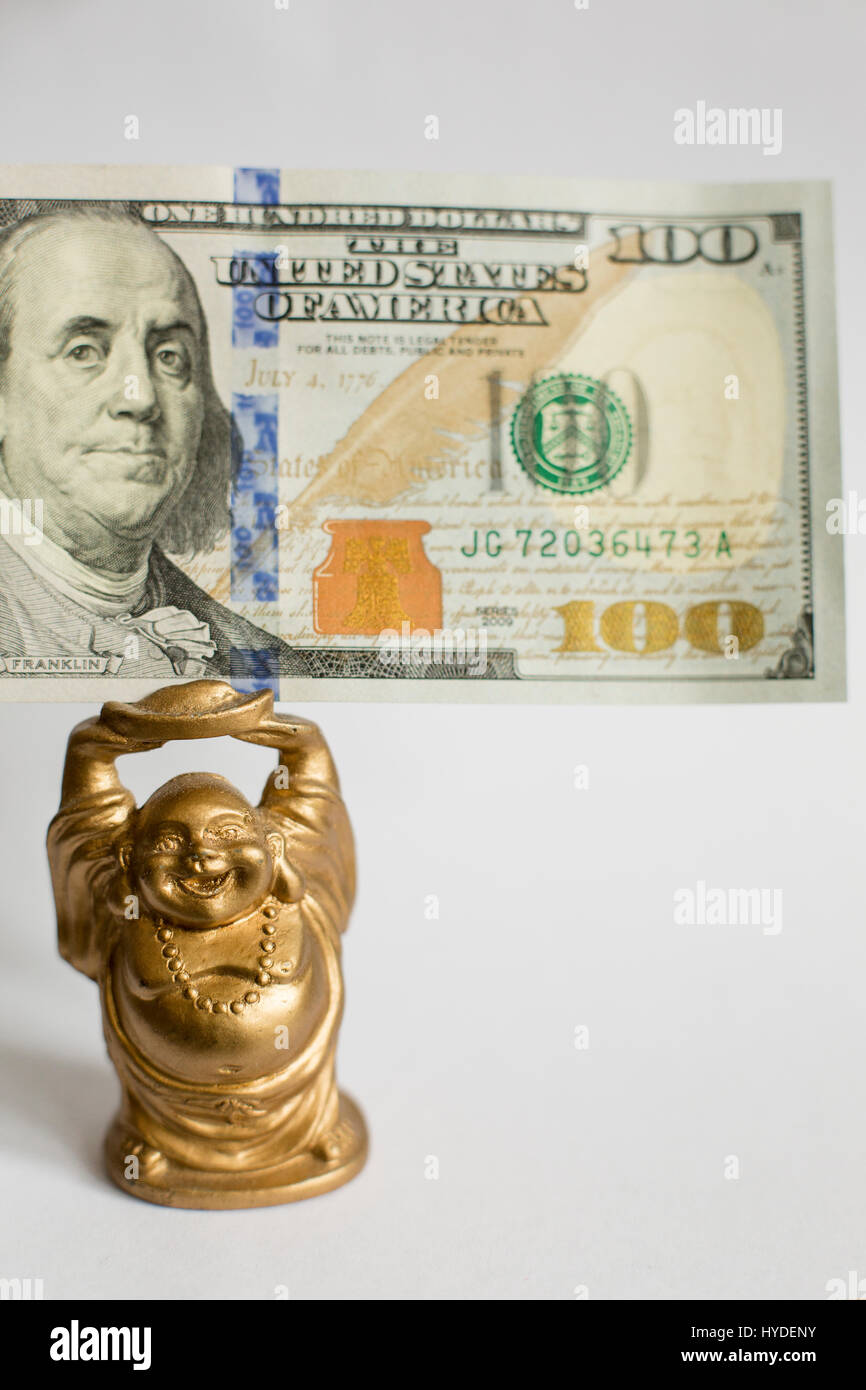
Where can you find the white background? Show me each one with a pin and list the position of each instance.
(558, 1167)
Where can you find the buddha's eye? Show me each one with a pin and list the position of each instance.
(228, 832)
(167, 844)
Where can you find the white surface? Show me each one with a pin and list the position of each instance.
(558, 1167)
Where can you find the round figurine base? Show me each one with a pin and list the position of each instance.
(170, 1184)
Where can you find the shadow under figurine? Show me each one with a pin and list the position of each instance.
(213, 930)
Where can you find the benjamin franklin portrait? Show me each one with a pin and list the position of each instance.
(109, 415)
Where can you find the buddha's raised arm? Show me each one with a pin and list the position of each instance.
(91, 753)
(95, 812)
(301, 746)
(302, 797)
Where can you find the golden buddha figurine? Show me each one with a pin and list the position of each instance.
(213, 930)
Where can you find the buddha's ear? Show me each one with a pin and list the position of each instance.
(276, 845)
(288, 883)
(124, 855)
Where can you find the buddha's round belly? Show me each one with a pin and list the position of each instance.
(178, 1036)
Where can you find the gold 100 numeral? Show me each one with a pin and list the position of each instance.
(661, 627)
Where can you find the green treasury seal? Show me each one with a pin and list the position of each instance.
(571, 433)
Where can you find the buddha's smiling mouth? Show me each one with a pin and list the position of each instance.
(204, 885)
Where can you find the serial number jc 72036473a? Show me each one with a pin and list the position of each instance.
(556, 545)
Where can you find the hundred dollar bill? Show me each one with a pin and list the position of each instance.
(416, 437)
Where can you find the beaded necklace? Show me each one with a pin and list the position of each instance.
(176, 966)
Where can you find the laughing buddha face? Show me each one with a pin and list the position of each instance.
(202, 855)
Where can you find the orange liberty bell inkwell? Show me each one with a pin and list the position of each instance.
(376, 576)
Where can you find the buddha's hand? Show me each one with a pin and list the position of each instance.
(300, 746)
(95, 738)
(284, 731)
